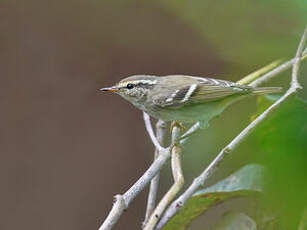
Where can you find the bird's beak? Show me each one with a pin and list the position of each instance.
(112, 89)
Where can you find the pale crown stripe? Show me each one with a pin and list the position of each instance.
(150, 82)
(189, 93)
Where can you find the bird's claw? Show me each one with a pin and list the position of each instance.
(178, 125)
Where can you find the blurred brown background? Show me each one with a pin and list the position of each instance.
(65, 147)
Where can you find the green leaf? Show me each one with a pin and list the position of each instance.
(281, 145)
(245, 182)
(236, 221)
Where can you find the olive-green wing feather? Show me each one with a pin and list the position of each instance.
(200, 91)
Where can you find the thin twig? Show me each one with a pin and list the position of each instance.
(154, 184)
(268, 76)
(150, 131)
(200, 180)
(178, 183)
(296, 65)
(120, 205)
(256, 74)
(193, 129)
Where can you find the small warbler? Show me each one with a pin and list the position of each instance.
(183, 98)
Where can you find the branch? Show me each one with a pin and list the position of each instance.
(266, 77)
(184, 137)
(122, 202)
(294, 82)
(154, 184)
(178, 183)
(255, 75)
(150, 131)
(118, 208)
(200, 180)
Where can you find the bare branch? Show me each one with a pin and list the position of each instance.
(117, 209)
(122, 204)
(184, 137)
(268, 76)
(256, 74)
(154, 184)
(294, 83)
(200, 180)
(151, 132)
(172, 192)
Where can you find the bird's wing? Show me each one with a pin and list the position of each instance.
(200, 91)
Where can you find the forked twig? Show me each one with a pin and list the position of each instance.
(122, 201)
(150, 131)
(172, 192)
(154, 184)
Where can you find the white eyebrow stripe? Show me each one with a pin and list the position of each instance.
(189, 93)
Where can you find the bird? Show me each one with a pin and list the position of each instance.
(183, 98)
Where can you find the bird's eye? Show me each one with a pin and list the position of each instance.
(130, 86)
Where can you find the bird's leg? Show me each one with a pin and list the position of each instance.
(177, 124)
(180, 127)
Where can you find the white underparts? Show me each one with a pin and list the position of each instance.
(189, 93)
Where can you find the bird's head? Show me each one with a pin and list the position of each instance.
(134, 88)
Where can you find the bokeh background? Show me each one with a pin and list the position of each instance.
(66, 148)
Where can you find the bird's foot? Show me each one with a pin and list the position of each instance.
(178, 125)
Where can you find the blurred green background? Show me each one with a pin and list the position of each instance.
(66, 149)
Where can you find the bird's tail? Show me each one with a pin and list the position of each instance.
(266, 90)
